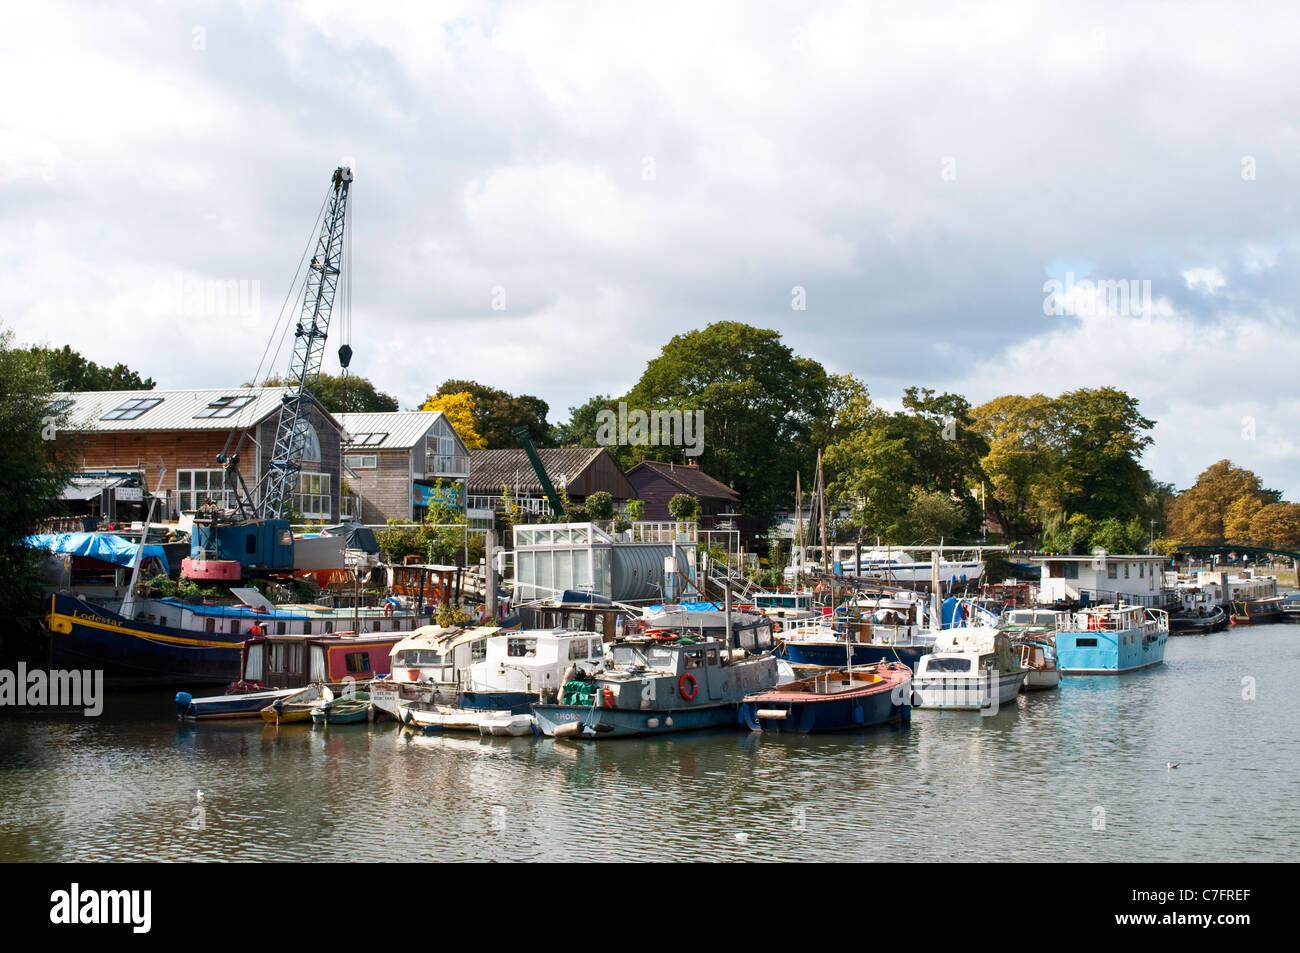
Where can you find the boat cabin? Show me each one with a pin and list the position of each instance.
(534, 660)
(295, 661)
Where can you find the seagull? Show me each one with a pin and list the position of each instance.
(198, 796)
(742, 837)
(1170, 765)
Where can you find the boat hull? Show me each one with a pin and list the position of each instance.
(964, 692)
(806, 713)
(517, 703)
(592, 723)
(136, 654)
(1110, 653)
(247, 705)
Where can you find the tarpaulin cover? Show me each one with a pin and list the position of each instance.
(103, 546)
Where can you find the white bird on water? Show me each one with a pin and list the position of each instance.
(1170, 765)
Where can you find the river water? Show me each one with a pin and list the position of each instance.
(1077, 774)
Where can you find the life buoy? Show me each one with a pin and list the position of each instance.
(687, 677)
(388, 609)
(255, 629)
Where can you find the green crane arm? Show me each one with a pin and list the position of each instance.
(526, 441)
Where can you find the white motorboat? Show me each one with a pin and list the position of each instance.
(970, 668)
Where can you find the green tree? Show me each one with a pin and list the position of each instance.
(580, 429)
(684, 508)
(35, 471)
(600, 506)
(761, 402)
(634, 510)
(355, 396)
(67, 370)
(497, 413)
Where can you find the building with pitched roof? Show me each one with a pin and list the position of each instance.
(121, 439)
(582, 471)
(395, 462)
(657, 483)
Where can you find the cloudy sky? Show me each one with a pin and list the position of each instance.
(942, 182)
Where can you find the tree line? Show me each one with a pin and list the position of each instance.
(1062, 473)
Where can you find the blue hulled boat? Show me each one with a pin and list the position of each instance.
(1111, 640)
(835, 700)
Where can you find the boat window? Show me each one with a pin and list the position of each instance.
(627, 655)
(478, 650)
(358, 662)
(1085, 643)
(713, 656)
(578, 648)
(276, 662)
(947, 665)
(162, 620)
(521, 648)
(329, 627)
(234, 626)
(665, 659)
(295, 657)
(210, 625)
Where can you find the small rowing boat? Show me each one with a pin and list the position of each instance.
(298, 706)
(835, 700)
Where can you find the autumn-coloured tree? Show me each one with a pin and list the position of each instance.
(1277, 524)
(459, 410)
(1204, 512)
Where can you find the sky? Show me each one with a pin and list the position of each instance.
(545, 193)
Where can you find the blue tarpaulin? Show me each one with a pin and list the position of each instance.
(102, 546)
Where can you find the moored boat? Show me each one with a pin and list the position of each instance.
(1111, 640)
(971, 668)
(653, 687)
(298, 706)
(834, 700)
(1257, 611)
(1200, 622)
(348, 710)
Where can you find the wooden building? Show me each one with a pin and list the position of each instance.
(395, 460)
(657, 483)
(582, 471)
(121, 439)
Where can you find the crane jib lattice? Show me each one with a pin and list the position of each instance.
(281, 480)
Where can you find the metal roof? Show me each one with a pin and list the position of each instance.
(143, 410)
(564, 465)
(400, 430)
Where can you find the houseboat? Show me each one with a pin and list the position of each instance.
(651, 686)
(1257, 611)
(1110, 640)
(170, 641)
(973, 667)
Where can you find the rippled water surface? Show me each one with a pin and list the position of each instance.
(1075, 774)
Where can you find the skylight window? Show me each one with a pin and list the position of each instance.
(367, 439)
(224, 406)
(133, 408)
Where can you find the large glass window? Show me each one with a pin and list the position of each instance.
(195, 487)
(314, 495)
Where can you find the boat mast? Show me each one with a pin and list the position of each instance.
(128, 603)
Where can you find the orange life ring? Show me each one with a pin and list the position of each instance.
(681, 686)
(388, 609)
(255, 629)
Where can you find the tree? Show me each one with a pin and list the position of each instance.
(634, 510)
(600, 506)
(1204, 512)
(684, 508)
(1277, 524)
(339, 395)
(35, 471)
(934, 516)
(580, 429)
(761, 405)
(67, 370)
(459, 410)
(497, 413)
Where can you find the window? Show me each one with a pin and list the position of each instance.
(1142, 570)
(224, 406)
(358, 662)
(133, 408)
(1085, 643)
(195, 487)
(1112, 571)
(234, 626)
(521, 648)
(209, 625)
(366, 439)
(947, 665)
(1071, 570)
(279, 628)
(578, 648)
(478, 650)
(361, 461)
(309, 442)
(314, 495)
(1126, 568)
